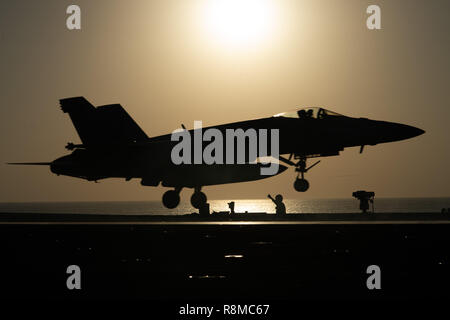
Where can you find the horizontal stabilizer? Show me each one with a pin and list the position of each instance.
(31, 163)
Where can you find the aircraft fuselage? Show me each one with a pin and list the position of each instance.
(114, 146)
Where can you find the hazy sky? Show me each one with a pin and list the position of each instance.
(170, 62)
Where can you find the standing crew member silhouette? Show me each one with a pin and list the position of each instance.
(231, 206)
(279, 205)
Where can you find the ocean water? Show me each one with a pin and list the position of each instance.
(241, 205)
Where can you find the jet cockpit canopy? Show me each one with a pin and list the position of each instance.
(309, 113)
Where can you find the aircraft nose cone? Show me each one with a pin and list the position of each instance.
(407, 132)
(414, 132)
(383, 131)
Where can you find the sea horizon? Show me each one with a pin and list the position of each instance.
(155, 207)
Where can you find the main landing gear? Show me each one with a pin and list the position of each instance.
(198, 198)
(171, 198)
(300, 183)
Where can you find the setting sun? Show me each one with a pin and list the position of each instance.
(239, 22)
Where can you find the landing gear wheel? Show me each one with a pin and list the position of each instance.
(171, 199)
(198, 199)
(301, 185)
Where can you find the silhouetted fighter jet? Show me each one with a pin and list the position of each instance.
(114, 146)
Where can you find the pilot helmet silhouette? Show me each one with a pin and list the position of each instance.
(278, 198)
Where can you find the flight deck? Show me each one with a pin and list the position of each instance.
(266, 258)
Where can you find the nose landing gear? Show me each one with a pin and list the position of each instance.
(300, 183)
